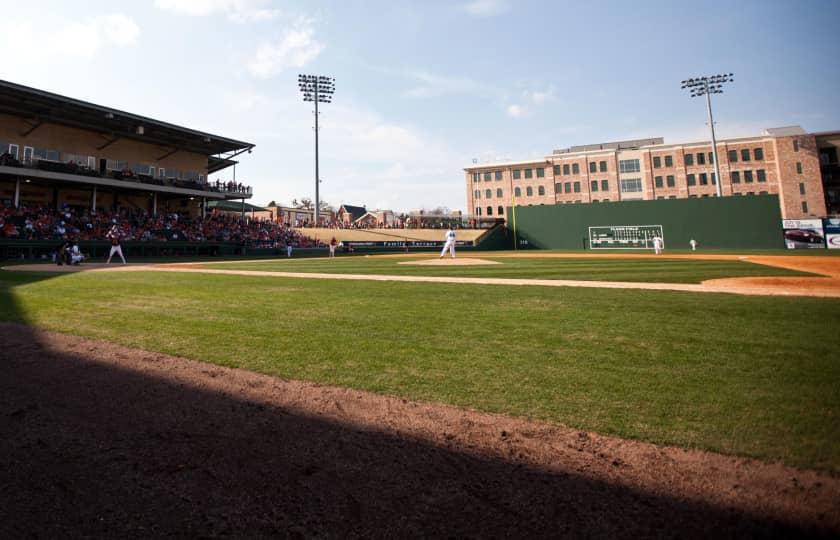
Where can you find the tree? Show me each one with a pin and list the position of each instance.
(305, 203)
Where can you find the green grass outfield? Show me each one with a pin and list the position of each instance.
(662, 270)
(752, 376)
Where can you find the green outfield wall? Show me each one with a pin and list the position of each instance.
(749, 222)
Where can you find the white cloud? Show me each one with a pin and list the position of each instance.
(538, 97)
(61, 38)
(238, 11)
(432, 85)
(296, 47)
(486, 8)
(514, 111)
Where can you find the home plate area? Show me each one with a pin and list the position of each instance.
(449, 261)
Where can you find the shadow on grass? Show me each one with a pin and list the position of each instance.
(92, 449)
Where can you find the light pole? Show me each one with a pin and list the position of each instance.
(317, 89)
(705, 86)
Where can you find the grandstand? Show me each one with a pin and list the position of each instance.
(57, 151)
(386, 237)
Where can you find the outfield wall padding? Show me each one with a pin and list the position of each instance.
(750, 222)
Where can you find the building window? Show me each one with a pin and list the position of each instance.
(748, 177)
(500, 211)
(558, 188)
(498, 175)
(802, 188)
(529, 191)
(575, 168)
(762, 176)
(805, 207)
(593, 167)
(605, 185)
(565, 169)
(478, 211)
(657, 181)
(567, 187)
(629, 165)
(540, 172)
(517, 192)
(798, 167)
(476, 177)
(489, 210)
(762, 193)
(488, 193)
(593, 185)
(689, 159)
(671, 182)
(796, 145)
(690, 179)
(540, 190)
(499, 193)
(701, 158)
(745, 154)
(735, 177)
(576, 187)
(712, 158)
(529, 173)
(487, 177)
(669, 161)
(631, 185)
(759, 154)
(477, 194)
(657, 162)
(603, 166)
(733, 156)
(557, 170)
(517, 174)
(704, 179)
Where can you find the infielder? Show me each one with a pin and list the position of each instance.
(450, 243)
(693, 244)
(114, 235)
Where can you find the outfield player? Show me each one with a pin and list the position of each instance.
(333, 245)
(693, 244)
(114, 235)
(450, 243)
(658, 244)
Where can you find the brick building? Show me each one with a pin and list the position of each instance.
(784, 161)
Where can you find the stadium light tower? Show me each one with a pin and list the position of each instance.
(317, 89)
(706, 86)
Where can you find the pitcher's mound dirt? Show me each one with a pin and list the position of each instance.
(104, 441)
(449, 261)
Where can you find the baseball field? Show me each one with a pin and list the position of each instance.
(603, 392)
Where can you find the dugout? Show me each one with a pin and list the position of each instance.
(751, 222)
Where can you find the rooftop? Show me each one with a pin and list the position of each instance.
(42, 106)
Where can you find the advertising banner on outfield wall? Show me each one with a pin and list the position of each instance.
(831, 226)
(803, 233)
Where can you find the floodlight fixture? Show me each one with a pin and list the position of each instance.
(706, 86)
(316, 89)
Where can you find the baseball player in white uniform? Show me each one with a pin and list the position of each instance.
(450, 243)
(657, 244)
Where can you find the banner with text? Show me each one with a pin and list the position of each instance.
(803, 233)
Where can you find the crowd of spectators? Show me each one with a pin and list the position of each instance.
(129, 174)
(43, 223)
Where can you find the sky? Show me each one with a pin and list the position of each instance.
(424, 88)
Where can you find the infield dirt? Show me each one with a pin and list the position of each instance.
(101, 440)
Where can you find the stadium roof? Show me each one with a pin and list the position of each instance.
(234, 206)
(41, 106)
